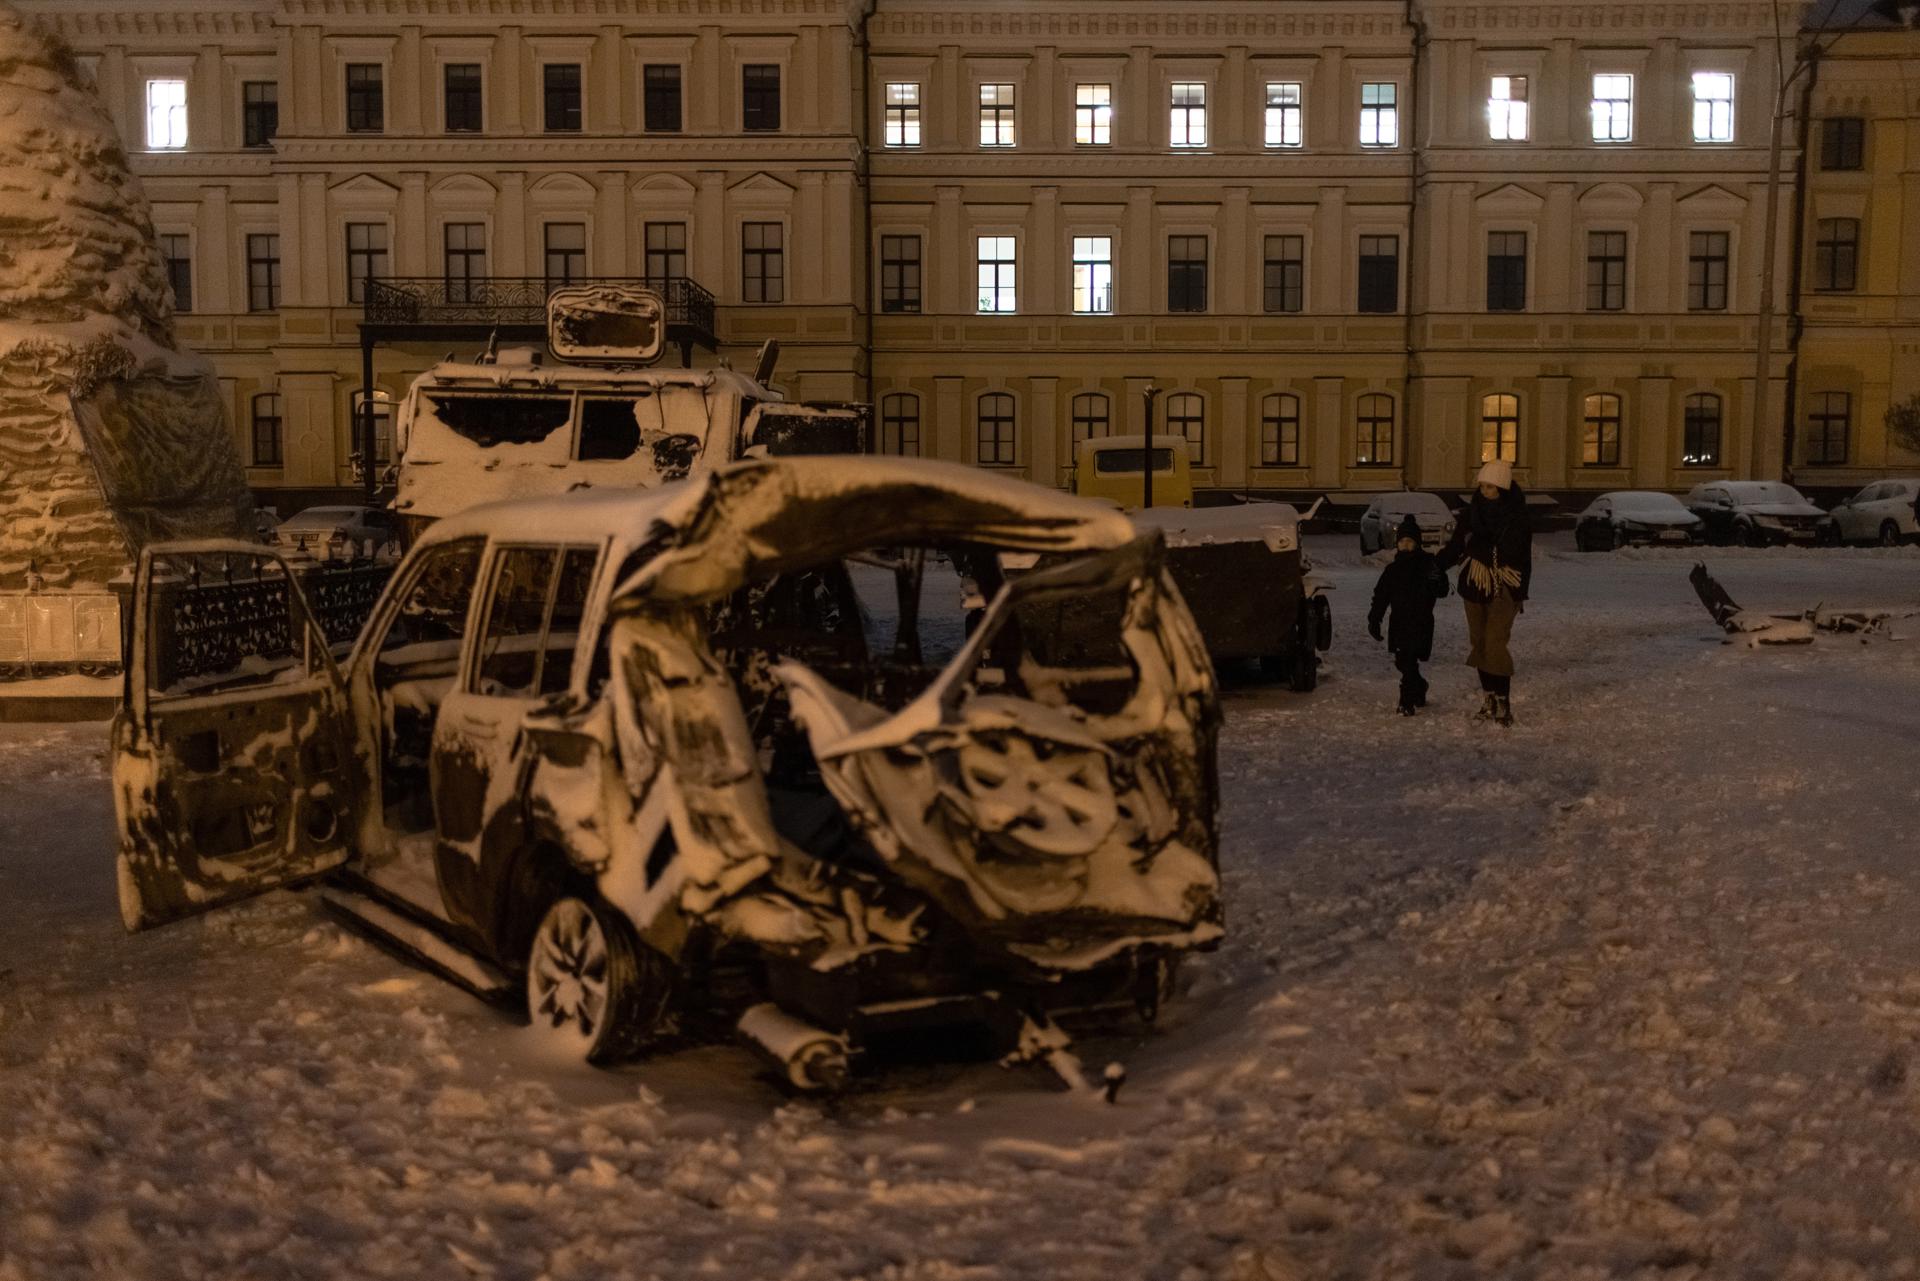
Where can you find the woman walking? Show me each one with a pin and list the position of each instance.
(1496, 543)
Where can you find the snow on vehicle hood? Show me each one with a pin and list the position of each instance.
(1275, 524)
(1778, 509)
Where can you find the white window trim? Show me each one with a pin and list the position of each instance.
(184, 106)
(1733, 108)
(1361, 108)
(919, 106)
(1205, 109)
(1109, 235)
(1019, 264)
(1300, 107)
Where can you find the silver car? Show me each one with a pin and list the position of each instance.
(1382, 518)
(1881, 513)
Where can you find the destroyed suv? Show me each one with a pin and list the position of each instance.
(726, 752)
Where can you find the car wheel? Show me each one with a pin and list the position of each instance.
(1364, 549)
(1889, 534)
(1619, 538)
(1303, 673)
(1746, 534)
(595, 992)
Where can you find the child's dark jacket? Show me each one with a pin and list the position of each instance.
(1408, 587)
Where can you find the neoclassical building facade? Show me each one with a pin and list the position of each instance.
(1354, 244)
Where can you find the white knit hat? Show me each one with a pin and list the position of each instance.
(1498, 473)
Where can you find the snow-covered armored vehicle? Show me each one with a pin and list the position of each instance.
(719, 749)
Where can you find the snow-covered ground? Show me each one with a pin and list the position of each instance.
(1632, 989)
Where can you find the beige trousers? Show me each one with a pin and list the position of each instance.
(1489, 628)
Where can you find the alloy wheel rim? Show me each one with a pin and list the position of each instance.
(567, 972)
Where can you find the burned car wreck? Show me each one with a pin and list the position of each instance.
(724, 753)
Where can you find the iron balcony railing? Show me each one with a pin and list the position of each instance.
(430, 302)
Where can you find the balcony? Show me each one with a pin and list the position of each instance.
(514, 308)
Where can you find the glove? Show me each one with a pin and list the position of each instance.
(1373, 628)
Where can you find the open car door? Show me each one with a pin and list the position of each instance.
(233, 764)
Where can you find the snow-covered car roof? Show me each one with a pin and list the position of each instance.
(1763, 491)
(1646, 500)
(324, 515)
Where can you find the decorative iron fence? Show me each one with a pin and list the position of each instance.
(429, 301)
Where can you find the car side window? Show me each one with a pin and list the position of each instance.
(569, 610)
(510, 643)
(432, 620)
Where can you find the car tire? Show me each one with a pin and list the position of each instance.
(1890, 534)
(595, 992)
(1322, 622)
(1619, 538)
(1746, 534)
(1303, 671)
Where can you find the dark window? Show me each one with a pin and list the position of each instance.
(566, 252)
(466, 260)
(1600, 431)
(763, 270)
(1187, 416)
(1701, 446)
(666, 250)
(263, 273)
(366, 256)
(366, 98)
(1829, 423)
(1506, 271)
(1500, 427)
(266, 430)
(609, 429)
(1090, 416)
(1186, 273)
(1373, 431)
(1606, 270)
(760, 98)
(1707, 271)
(996, 429)
(259, 113)
(899, 273)
(1843, 142)
(661, 99)
(177, 254)
(1280, 430)
(1836, 254)
(1284, 273)
(1379, 273)
(562, 84)
(465, 112)
(900, 424)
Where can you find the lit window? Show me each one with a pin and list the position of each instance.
(1700, 433)
(996, 116)
(1507, 109)
(1712, 106)
(1612, 108)
(1283, 116)
(903, 115)
(1373, 431)
(1092, 275)
(1093, 115)
(1500, 428)
(996, 261)
(1187, 126)
(166, 115)
(1379, 115)
(1600, 432)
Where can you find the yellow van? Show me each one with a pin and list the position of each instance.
(1111, 467)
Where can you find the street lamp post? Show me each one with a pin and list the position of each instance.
(1150, 393)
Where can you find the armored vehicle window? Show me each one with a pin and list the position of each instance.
(608, 429)
(502, 419)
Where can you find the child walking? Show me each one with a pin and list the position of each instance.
(1408, 587)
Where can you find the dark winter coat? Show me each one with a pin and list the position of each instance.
(1408, 587)
(1495, 540)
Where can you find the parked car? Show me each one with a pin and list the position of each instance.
(1881, 513)
(719, 751)
(1757, 513)
(1384, 514)
(1114, 468)
(335, 533)
(1630, 516)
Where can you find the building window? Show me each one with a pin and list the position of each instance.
(382, 425)
(1712, 106)
(466, 260)
(461, 97)
(1843, 142)
(1284, 125)
(1606, 270)
(1092, 116)
(177, 253)
(903, 115)
(1612, 108)
(1379, 275)
(760, 98)
(1836, 254)
(1186, 273)
(1701, 445)
(660, 97)
(994, 256)
(1280, 430)
(1284, 274)
(1187, 123)
(1600, 431)
(1829, 423)
(266, 430)
(366, 257)
(1091, 416)
(1507, 109)
(1092, 275)
(166, 115)
(900, 273)
(900, 424)
(259, 113)
(1187, 416)
(561, 84)
(996, 116)
(1707, 271)
(1500, 427)
(763, 262)
(366, 98)
(995, 422)
(1506, 271)
(263, 273)
(566, 252)
(666, 250)
(1373, 431)
(1379, 115)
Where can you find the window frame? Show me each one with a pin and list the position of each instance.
(1831, 251)
(1278, 446)
(761, 107)
(770, 261)
(999, 120)
(1615, 108)
(1291, 286)
(471, 100)
(259, 114)
(1082, 418)
(1594, 420)
(654, 97)
(175, 114)
(1379, 113)
(366, 254)
(1005, 274)
(1500, 427)
(1187, 118)
(1367, 422)
(1502, 116)
(1701, 292)
(1188, 283)
(1821, 426)
(365, 100)
(1093, 121)
(666, 252)
(894, 423)
(1362, 258)
(1092, 274)
(1003, 452)
(1608, 262)
(1721, 114)
(166, 242)
(1189, 423)
(1694, 422)
(1506, 271)
(1289, 117)
(275, 454)
(466, 255)
(900, 119)
(547, 252)
(572, 113)
(263, 271)
(1846, 135)
(898, 295)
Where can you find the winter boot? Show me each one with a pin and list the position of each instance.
(1487, 707)
(1407, 706)
(1502, 709)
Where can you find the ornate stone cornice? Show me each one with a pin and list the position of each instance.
(1277, 22)
(1747, 20)
(524, 10)
(138, 24)
(649, 151)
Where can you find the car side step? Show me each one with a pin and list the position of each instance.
(416, 941)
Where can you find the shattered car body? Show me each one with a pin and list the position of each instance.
(1786, 629)
(655, 757)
